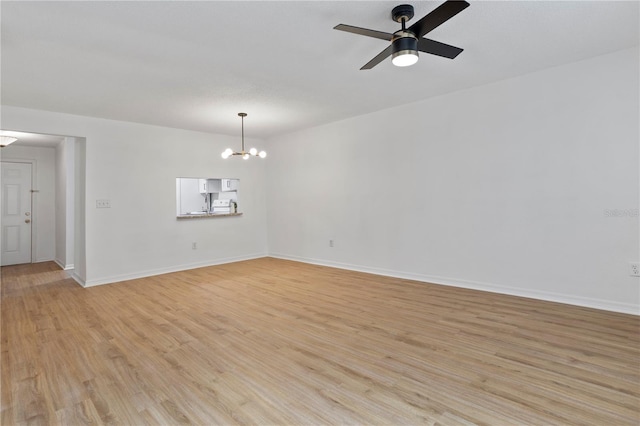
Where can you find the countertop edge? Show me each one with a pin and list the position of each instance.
(206, 216)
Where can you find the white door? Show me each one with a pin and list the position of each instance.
(16, 213)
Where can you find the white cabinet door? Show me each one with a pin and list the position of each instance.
(16, 213)
(202, 186)
(229, 185)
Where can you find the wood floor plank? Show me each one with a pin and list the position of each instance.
(270, 341)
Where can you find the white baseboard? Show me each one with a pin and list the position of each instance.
(149, 273)
(607, 305)
(63, 266)
(77, 278)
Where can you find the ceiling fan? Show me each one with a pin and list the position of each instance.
(406, 42)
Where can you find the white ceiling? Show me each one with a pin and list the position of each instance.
(195, 65)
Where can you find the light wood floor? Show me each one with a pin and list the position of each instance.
(276, 342)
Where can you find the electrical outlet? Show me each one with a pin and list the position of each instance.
(194, 246)
(103, 204)
(330, 243)
(634, 269)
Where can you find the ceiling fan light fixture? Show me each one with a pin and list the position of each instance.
(7, 140)
(405, 51)
(404, 58)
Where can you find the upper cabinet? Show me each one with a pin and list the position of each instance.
(202, 186)
(228, 185)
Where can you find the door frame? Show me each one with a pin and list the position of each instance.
(77, 169)
(34, 218)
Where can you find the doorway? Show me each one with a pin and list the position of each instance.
(57, 201)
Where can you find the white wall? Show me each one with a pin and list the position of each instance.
(79, 210)
(135, 167)
(61, 209)
(502, 187)
(69, 171)
(65, 195)
(43, 228)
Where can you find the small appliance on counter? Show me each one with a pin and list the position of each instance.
(222, 206)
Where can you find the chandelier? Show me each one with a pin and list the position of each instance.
(245, 154)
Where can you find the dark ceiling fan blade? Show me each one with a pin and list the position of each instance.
(379, 58)
(436, 48)
(438, 16)
(364, 31)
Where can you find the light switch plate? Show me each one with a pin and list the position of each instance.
(103, 204)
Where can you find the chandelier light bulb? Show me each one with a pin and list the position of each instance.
(253, 151)
(245, 156)
(262, 154)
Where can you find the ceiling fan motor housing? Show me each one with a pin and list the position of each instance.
(402, 12)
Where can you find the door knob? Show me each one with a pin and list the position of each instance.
(27, 221)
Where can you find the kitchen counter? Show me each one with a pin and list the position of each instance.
(206, 215)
